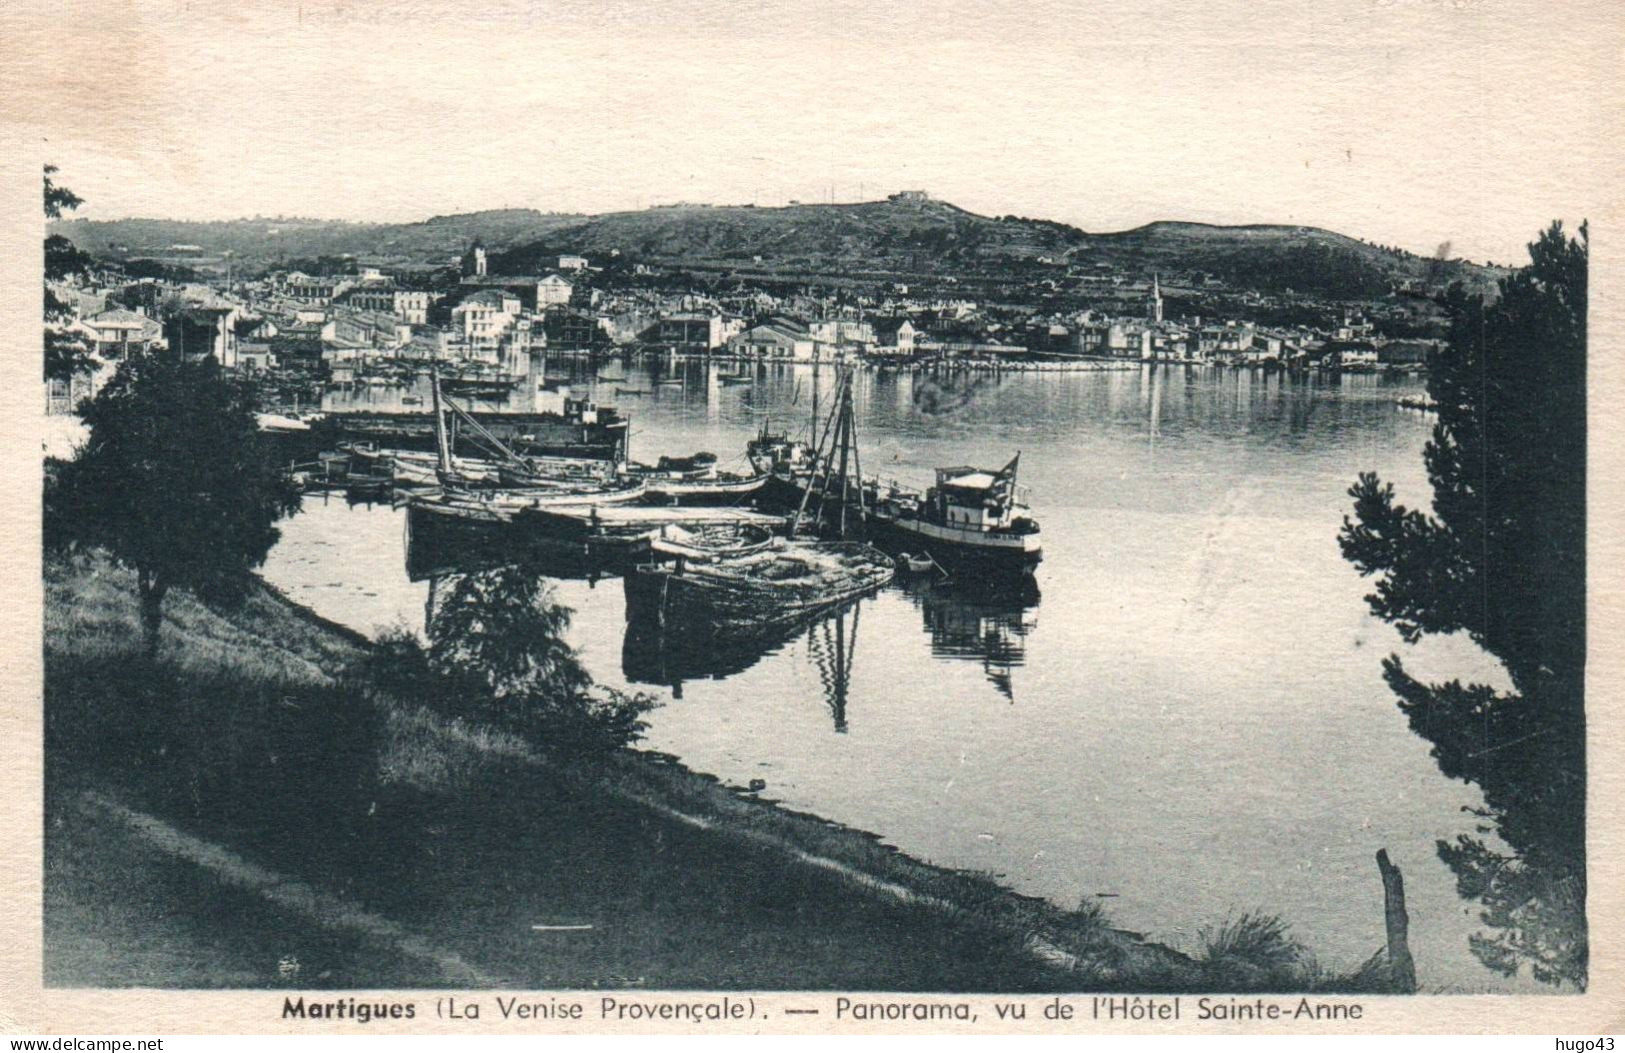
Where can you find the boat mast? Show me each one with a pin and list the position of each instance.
(820, 463)
(840, 432)
(442, 450)
(814, 436)
(844, 437)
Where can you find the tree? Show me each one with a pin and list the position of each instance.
(176, 481)
(64, 354)
(1502, 558)
(496, 651)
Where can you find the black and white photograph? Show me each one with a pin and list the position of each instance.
(887, 504)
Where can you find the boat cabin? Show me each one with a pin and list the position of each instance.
(778, 454)
(973, 499)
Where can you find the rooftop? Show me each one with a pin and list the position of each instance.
(119, 318)
(973, 480)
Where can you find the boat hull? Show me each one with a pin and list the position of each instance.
(697, 601)
(960, 552)
(705, 491)
(508, 506)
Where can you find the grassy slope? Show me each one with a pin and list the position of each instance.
(470, 835)
(430, 839)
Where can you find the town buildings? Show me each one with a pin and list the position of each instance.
(457, 310)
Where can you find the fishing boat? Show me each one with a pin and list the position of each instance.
(631, 391)
(507, 506)
(487, 505)
(696, 480)
(772, 453)
(782, 584)
(972, 521)
(776, 586)
(411, 468)
(551, 473)
(720, 488)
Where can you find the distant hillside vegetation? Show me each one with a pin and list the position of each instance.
(267, 240)
(872, 232)
(905, 235)
(939, 236)
(1276, 257)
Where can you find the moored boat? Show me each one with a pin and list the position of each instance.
(917, 564)
(709, 543)
(776, 454)
(721, 488)
(551, 473)
(410, 468)
(775, 586)
(972, 520)
(695, 480)
(504, 506)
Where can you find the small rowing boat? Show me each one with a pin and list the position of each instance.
(917, 564)
(709, 543)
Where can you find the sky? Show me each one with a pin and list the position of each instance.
(1409, 122)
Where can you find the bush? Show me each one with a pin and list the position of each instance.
(565, 715)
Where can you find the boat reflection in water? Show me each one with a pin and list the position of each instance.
(978, 624)
(651, 655)
(437, 546)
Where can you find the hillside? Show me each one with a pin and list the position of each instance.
(935, 236)
(262, 240)
(1270, 256)
(868, 231)
(907, 236)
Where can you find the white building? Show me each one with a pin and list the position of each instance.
(840, 332)
(897, 335)
(775, 340)
(483, 319)
(114, 334)
(553, 290)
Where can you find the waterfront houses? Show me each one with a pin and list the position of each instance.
(485, 318)
(343, 317)
(778, 338)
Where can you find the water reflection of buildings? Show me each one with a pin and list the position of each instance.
(984, 626)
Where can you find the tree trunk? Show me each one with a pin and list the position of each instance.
(1401, 967)
(152, 588)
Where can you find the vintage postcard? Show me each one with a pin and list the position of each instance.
(545, 517)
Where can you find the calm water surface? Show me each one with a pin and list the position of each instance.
(1189, 721)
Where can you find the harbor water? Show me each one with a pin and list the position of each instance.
(1185, 721)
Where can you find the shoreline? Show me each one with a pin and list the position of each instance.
(1031, 944)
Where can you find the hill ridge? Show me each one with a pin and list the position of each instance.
(871, 235)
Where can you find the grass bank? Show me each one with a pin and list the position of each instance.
(254, 758)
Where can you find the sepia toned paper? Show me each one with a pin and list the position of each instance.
(1141, 786)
